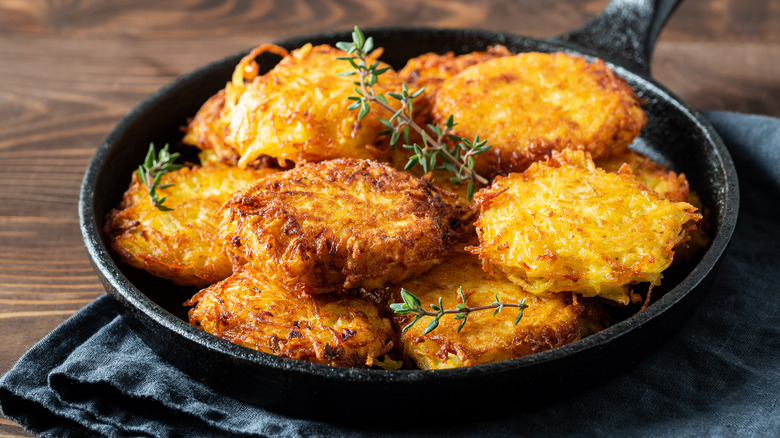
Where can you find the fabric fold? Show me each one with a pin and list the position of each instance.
(144, 387)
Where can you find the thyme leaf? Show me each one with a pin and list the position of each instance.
(456, 154)
(150, 173)
(412, 304)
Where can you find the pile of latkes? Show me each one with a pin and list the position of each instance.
(300, 228)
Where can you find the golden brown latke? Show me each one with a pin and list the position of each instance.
(564, 225)
(209, 128)
(298, 111)
(252, 310)
(184, 244)
(431, 69)
(551, 320)
(531, 104)
(342, 223)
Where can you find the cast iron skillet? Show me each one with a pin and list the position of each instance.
(623, 36)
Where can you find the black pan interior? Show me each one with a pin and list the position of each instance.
(674, 134)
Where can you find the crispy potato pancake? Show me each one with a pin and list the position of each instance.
(182, 245)
(531, 104)
(431, 69)
(342, 223)
(551, 320)
(298, 111)
(564, 225)
(252, 310)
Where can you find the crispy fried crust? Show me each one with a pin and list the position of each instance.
(340, 224)
(209, 128)
(530, 104)
(207, 131)
(550, 321)
(182, 245)
(656, 177)
(251, 310)
(298, 111)
(564, 225)
(431, 69)
(670, 185)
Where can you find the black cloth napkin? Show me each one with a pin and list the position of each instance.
(718, 376)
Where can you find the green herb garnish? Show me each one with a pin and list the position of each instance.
(435, 153)
(412, 304)
(151, 171)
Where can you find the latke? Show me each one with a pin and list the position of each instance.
(251, 310)
(551, 320)
(298, 111)
(342, 223)
(531, 104)
(564, 225)
(183, 244)
(429, 70)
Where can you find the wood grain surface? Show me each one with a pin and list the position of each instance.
(70, 69)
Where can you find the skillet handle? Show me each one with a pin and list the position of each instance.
(625, 33)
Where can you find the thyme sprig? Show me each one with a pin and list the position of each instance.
(435, 153)
(151, 171)
(412, 304)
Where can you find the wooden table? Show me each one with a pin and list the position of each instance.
(70, 70)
